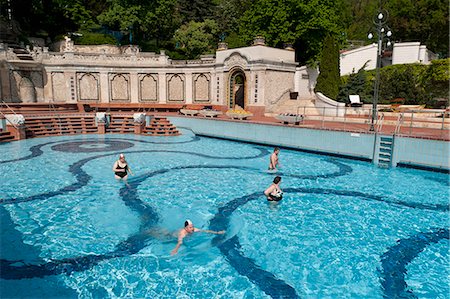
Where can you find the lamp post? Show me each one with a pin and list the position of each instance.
(382, 32)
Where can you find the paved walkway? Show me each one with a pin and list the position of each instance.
(405, 131)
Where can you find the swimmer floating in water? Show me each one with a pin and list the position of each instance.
(274, 193)
(121, 168)
(190, 229)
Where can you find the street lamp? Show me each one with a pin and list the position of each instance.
(382, 32)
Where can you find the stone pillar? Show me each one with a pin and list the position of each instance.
(297, 78)
(101, 128)
(104, 87)
(139, 122)
(18, 131)
(188, 86)
(47, 79)
(134, 90)
(15, 124)
(100, 120)
(162, 88)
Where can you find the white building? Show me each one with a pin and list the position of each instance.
(412, 52)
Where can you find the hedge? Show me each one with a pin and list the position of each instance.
(414, 84)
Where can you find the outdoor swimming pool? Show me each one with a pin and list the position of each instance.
(345, 229)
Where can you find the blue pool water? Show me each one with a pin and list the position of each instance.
(344, 229)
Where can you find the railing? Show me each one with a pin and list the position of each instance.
(53, 108)
(9, 108)
(380, 123)
(426, 123)
(279, 98)
(399, 123)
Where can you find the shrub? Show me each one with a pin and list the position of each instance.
(90, 38)
(329, 78)
(417, 84)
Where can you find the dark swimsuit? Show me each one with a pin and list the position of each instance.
(121, 174)
(274, 198)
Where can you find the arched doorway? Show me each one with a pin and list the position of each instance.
(237, 90)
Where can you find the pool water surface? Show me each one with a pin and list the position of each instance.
(344, 229)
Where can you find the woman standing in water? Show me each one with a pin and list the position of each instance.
(121, 168)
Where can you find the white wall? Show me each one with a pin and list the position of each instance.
(353, 60)
(406, 53)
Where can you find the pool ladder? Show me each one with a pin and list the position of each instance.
(385, 150)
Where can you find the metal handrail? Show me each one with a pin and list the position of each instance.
(52, 107)
(400, 120)
(279, 98)
(7, 106)
(380, 123)
(8, 120)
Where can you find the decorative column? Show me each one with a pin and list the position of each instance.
(162, 88)
(188, 87)
(100, 120)
(134, 91)
(139, 123)
(15, 124)
(104, 88)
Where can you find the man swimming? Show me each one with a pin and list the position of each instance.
(190, 229)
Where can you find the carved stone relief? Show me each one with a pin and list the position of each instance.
(27, 92)
(88, 86)
(59, 88)
(148, 87)
(201, 87)
(23, 85)
(120, 87)
(236, 60)
(175, 88)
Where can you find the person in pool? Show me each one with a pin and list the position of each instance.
(274, 162)
(190, 229)
(121, 168)
(274, 192)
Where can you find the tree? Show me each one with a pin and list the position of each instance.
(355, 83)
(329, 79)
(196, 38)
(426, 21)
(303, 23)
(196, 10)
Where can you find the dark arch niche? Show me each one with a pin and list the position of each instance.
(237, 86)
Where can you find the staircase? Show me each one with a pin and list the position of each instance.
(160, 126)
(385, 151)
(6, 136)
(59, 125)
(121, 124)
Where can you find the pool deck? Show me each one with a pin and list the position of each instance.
(343, 126)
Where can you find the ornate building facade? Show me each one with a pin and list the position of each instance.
(252, 77)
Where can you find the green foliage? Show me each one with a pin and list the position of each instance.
(402, 81)
(329, 79)
(417, 84)
(196, 38)
(304, 23)
(355, 83)
(436, 79)
(89, 38)
(196, 10)
(234, 40)
(426, 21)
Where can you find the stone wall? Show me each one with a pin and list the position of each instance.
(102, 74)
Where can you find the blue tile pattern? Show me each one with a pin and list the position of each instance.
(394, 261)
